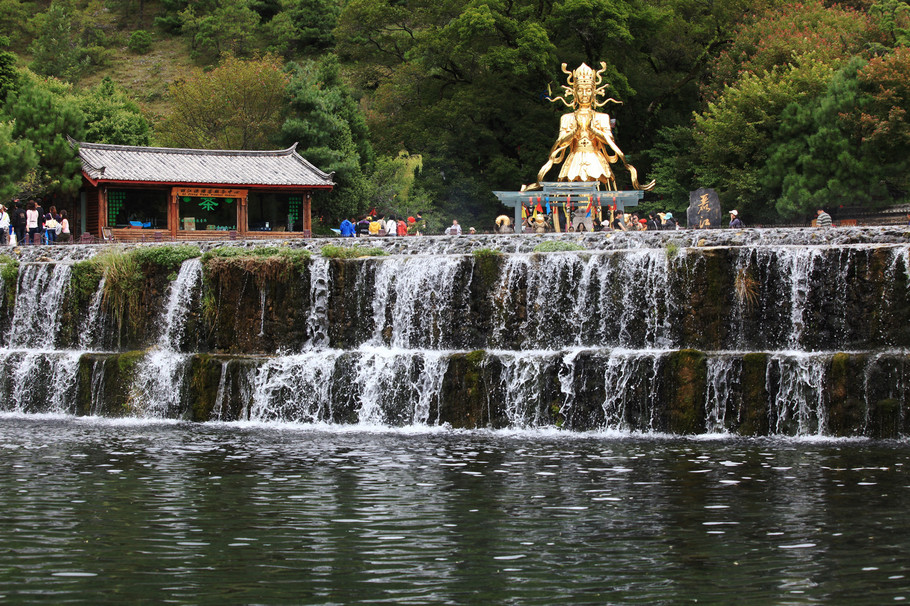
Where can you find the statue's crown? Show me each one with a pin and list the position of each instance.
(583, 75)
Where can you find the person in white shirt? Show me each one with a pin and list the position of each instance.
(454, 229)
(64, 227)
(391, 227)
(4, 226)
(31, 222)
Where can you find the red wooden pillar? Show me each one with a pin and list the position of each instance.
(243, 214)
(173, 213)
(102, 210)
(307, 218)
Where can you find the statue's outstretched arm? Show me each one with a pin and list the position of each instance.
(632, 172)
(558, 151)
(556, 156)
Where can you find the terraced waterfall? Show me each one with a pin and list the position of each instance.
(756, 332)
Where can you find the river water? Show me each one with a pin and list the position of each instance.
(103, 511)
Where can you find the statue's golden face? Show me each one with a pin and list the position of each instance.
(584, 93)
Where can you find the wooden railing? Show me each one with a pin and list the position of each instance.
(163, 235)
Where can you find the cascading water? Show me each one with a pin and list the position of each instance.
(723, 379)
(180, 298)
(39, 380)
(617, 298)
(320, 291)
(88, 336)
(159, 384)
(36, 376)
(522, 383)
(799, 266)
(413, 300)
(630, 380)
(796, 382)
(768, 335)
(39, 297)
(296, 388)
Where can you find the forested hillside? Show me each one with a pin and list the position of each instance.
(431, 105)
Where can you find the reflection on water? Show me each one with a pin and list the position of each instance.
(103, 511)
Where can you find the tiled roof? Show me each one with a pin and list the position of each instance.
(175, 165)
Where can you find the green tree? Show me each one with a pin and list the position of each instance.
(17, 159)
(15, 20)
(332, 133)
(140, 42)
(112, 117)
(816, 155)
(9, 73)
(68, 43)
(169, 20)
(56, 52)
(230, 28)
(675, 44)
(893, 17)
(238, 105)
(304, 26)
(673, 156)
(793, 33)
(734, 134)
(462, 85)
(780, 61)
(43, 114)
(392, 184)
(882, 117)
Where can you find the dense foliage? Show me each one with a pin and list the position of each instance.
(430, 106)
(237, 105)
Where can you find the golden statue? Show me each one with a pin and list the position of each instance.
(585, 145)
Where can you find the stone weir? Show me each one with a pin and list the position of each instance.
(751, 332)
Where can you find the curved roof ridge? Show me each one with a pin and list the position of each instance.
(186, 150)
(126, 163)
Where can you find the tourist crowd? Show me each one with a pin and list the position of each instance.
(388, 225)
(540, 222)
(612, 221)
(28, 223)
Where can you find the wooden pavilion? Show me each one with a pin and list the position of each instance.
(134, 193)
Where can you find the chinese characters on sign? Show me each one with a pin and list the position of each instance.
(208, 203)
(704, 209)
(209, 192)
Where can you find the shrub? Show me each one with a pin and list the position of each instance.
(352, 252)
(295, 255)
(84, 279)
(169, 257)
(224, 252)
(557, 246)
(9, 273)
(266, 263)
(140, 42)
(123, 279)
(485, 253)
